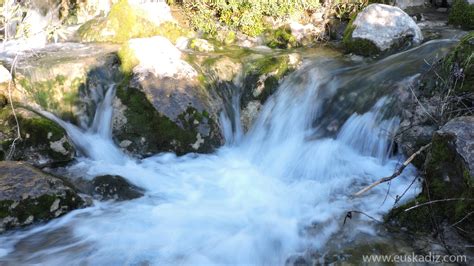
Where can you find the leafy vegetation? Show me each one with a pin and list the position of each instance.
(245, 16)
(462, 14)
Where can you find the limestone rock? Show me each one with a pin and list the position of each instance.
(379, 28)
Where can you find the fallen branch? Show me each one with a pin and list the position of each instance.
(436, 201)
(18, 137)
(396, 173)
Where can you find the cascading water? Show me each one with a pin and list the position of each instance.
(96, 142)
(280, 190)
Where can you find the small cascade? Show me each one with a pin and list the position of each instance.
(95, 142)
(281, 189)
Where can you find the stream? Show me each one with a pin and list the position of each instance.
(281, 189)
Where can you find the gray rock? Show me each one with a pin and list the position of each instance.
(460, 131)
(28, 195)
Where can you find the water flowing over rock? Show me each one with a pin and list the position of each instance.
(379, 28)
(279, 190)
(28, 195)
(110, 187)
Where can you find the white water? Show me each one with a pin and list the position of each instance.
(277, 191)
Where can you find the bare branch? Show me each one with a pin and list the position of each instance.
(396, 173)
(436, 201)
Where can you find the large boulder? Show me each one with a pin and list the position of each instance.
(379, 28)
(163, 106)
(28, 195)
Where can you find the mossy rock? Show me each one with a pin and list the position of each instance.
(462, 14)
(357, 45)
(28, 195)
(448, 175)
(42, 142)
(58, 95)
(263, 75)
(145, 131)
(125, 22)
(280, 38)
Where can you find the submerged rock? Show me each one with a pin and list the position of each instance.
(379, 28)
(28, 195)
(114, 187)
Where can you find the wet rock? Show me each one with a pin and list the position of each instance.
(114, 187)
(42, 141)
(263, 74)
(379, 28)
(28, 195)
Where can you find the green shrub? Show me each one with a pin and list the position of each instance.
(462, 14)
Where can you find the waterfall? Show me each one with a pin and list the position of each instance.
(281, 189)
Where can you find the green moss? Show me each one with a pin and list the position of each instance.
(357, 45)
(36, 132)
(280, 38)
(272, 69)
(127, 59)
(57, 95)
(160, 133)
(38, 207)
(462, 14)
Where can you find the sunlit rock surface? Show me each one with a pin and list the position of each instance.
(163, 106)
(378, 28)
(158, 56)
(65, 79)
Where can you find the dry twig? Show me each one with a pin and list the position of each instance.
(396, 173)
